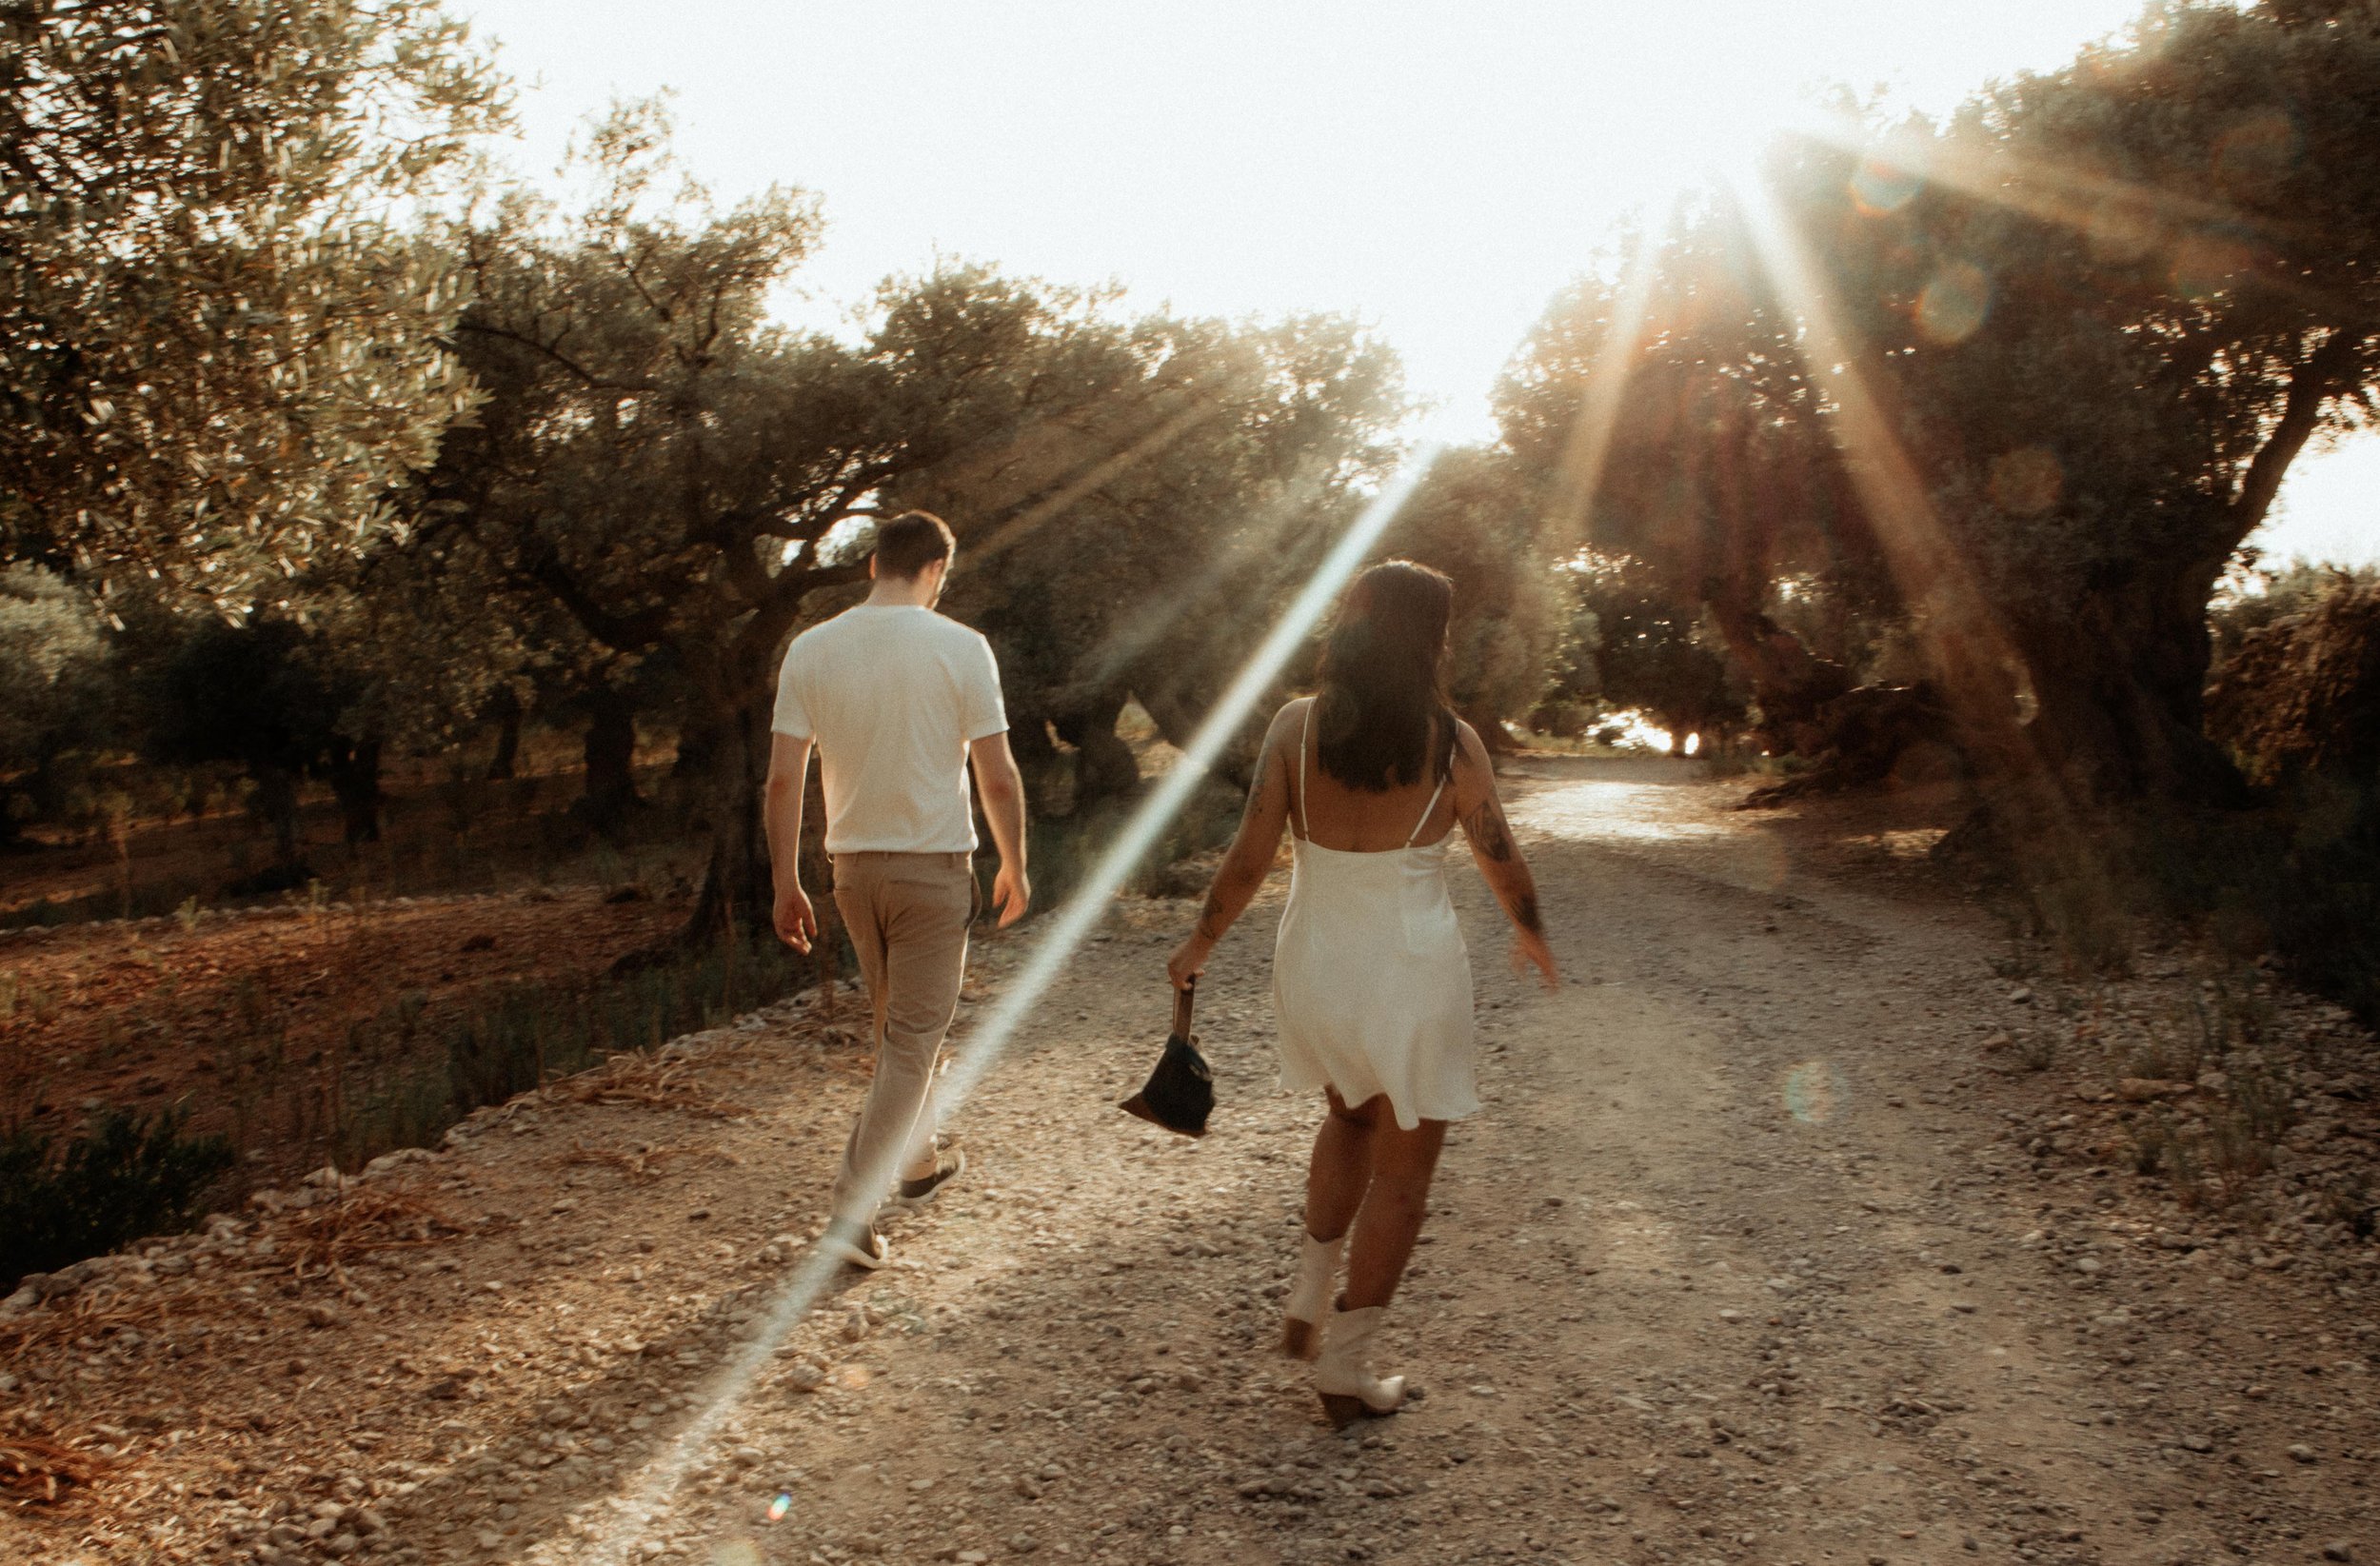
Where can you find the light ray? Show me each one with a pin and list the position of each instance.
(1204, 404)
(2119, 218)
(1578, 472)
(1976, 665)
(651, 1490)
(1154, 618)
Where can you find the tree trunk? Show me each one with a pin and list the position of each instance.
(610, 753)
(276, 802)
(1789, 682)
(354, 772)
(738, 891)
(1492, 732)
(1105, 766)
(505, 763)
(1038, 761)
(1178, 714)
(2118, 687)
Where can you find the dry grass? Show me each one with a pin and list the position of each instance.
(654, 1082)
(89, 1313)
(321, 1240)
(34, 1472)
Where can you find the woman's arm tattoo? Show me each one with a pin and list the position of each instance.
(1525, 913)
(1212, 923)
(1487, 828)
(1256, 784)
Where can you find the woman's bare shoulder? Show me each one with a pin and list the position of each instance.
(1292, 713)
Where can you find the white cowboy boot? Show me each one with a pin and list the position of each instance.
(1343, 1376)
(1310, 1297)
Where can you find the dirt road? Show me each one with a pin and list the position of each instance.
(1755, 1255)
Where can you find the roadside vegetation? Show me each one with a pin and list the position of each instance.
(374, 589)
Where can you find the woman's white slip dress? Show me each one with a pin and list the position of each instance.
(1370, 979)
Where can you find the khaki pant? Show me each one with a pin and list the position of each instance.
(907, 915)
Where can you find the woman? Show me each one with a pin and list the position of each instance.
(1370, 975)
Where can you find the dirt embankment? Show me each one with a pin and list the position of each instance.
(1804, 1225)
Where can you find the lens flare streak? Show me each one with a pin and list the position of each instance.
(650, 1492)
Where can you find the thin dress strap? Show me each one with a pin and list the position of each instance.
(1304, 829)
(1428, 810)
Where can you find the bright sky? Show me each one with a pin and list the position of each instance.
(1434, 170)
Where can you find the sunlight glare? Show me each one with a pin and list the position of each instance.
(972, 1061)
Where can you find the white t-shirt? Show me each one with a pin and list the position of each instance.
(893, 694)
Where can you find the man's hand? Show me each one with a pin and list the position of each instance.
(1012, 893)
(797, 923)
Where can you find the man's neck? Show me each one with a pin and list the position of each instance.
(899, 595)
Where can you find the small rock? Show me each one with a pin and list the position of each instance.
(321, 1314)
(2339, 1550)
(2301, 1453)
(806, 1377)
(2197, 1444)
(1026, 1488)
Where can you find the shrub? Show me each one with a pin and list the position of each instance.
(128, 1176)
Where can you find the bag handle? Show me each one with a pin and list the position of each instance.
(1181, 1009)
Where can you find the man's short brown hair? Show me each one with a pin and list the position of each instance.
(911, 542)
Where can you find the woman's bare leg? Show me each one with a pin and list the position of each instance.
(1341, 1167)
(1402, 1164)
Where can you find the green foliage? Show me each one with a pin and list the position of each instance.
(1637, 647)
(128, 1176)
(1473, 519)
(62, 707)
(2075, 337)
(214, 350)
(2300, 692)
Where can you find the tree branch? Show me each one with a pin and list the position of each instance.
(2322, 373)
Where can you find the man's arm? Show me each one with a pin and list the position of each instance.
(1001, 789)
(780, 815)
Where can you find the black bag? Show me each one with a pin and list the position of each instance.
(1180, 1093)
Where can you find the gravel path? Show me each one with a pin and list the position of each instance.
(1756, 1255)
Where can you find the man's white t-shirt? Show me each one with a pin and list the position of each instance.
(893, 694)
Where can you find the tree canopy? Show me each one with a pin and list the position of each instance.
(218, 341)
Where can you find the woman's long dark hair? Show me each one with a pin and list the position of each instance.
(1381, 718)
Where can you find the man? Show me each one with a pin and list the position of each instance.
(900, 701)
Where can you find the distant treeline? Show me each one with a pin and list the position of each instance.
(1933, 436)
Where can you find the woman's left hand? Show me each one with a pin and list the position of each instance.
(1189, 960)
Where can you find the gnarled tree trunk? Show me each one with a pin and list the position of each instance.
(738, 888)
(2118, 683)
(506, 710)
(1105, 766)
(611, 755)
(1790, 682)
(354, 773)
